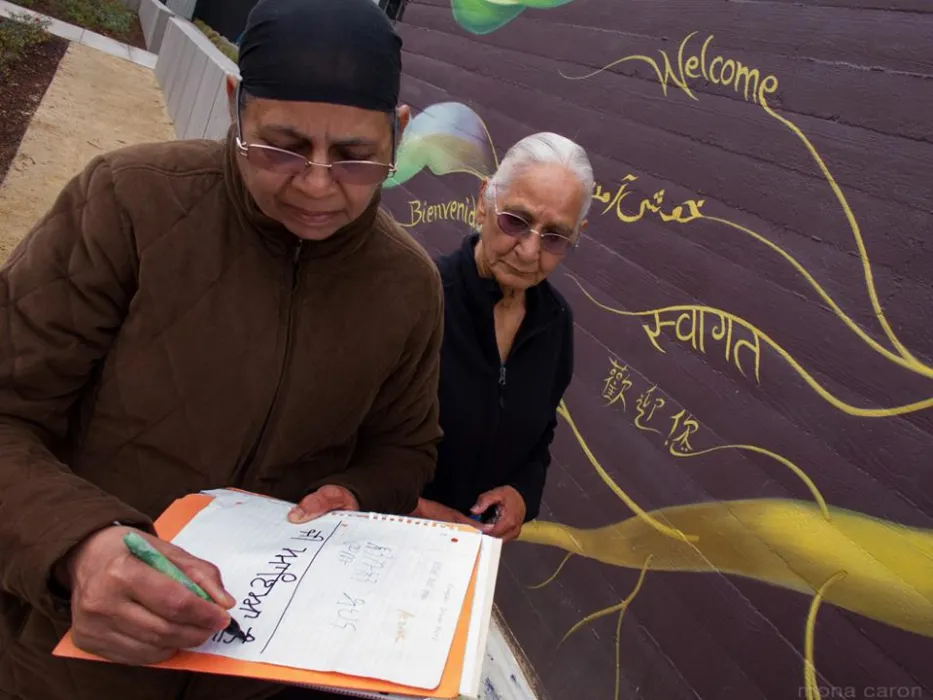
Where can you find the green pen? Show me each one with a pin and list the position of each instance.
(148, 554)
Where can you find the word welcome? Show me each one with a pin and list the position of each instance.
(649, 405)
(706, 65)
(690, 327)
(263, 583)
(653, 409)
(453, 210)
(683, 213)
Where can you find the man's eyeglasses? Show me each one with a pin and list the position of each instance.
(283, 162)
(515, 226)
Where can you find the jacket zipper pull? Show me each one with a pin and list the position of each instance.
(501, 386)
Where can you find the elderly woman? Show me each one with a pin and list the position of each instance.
(507, 354)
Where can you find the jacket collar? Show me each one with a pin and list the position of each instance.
(274, 235)
(542, 305)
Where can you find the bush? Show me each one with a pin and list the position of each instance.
(218, 40)
(18, 34)
(103, 16)
(108, 16)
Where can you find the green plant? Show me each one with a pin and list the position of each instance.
(18, 34)
(225, 47)
(110, 16)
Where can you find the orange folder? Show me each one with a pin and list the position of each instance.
(171, 522)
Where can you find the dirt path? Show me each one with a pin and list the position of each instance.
(96, 103)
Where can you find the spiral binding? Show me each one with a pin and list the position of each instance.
(408, 520)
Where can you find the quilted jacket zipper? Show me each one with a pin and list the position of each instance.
(239, 475)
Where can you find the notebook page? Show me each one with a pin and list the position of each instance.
(364, 596)
(476, 655)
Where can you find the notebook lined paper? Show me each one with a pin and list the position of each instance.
(363, 595)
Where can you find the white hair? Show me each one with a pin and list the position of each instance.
(545, 148)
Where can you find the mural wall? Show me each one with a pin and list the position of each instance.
(741, 499)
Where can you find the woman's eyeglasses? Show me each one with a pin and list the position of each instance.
(515, 226)
(278, 160)
(283, 162)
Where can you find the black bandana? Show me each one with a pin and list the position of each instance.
(336, 51)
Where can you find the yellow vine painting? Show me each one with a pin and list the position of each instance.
(879, 569)
(873, 567)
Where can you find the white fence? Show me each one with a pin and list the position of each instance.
(154, 17)
(193, 74)
(182, 8)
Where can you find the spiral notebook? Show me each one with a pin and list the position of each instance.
(365, 604)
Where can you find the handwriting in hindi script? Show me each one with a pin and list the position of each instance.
(345, 593)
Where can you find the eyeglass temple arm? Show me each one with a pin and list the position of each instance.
(395, 139)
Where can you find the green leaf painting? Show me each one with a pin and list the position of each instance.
(485, 16)
(446, 138)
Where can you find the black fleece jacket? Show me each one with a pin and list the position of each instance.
(498, 419)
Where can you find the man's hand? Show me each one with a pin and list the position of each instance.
(129, 613)
(510, 508)
(324, 500)
(432, 510)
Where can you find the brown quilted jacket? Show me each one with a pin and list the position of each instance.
(158, 336)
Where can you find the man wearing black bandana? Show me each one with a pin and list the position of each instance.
(320, 83)
(202, 314)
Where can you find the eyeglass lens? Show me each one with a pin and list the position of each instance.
(515, 226)
(356, 172)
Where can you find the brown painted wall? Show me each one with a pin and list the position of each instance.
(803, 244)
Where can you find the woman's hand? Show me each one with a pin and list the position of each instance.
(432, 510)
(510, 512)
